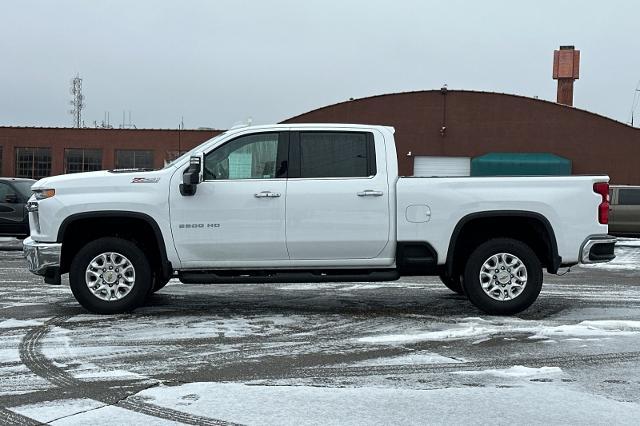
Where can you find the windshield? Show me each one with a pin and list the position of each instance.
(188, 153)
(24, 187)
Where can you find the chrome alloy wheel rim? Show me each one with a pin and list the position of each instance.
(110, 276)
(503, 276)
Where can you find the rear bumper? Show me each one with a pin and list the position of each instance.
(598, 248)
(43, 259)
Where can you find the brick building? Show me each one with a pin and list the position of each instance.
(38, 152)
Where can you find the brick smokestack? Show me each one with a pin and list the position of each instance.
(566, 69)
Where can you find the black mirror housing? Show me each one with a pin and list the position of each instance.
(191, 176)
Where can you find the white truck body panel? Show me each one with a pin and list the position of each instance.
(317, 222)
(568, 203)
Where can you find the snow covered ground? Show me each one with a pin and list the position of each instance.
(407, 352)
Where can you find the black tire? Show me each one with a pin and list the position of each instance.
(453, 284)
(139, 290)
(473, 287)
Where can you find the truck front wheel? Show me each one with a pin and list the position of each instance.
(110, 276)
(452, 283)
(502, 276)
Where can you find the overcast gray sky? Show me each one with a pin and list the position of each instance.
(218, 62)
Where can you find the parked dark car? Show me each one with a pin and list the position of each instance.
(14, 193)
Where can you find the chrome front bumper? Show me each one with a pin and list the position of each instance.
(42, 258)
(598, 248)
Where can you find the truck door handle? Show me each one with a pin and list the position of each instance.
(370, 193)
(266, 194)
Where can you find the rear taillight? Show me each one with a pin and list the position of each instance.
(602, 188)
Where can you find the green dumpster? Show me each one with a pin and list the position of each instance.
(520, 164)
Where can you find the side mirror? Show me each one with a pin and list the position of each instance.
(191, 176)
(11, 199)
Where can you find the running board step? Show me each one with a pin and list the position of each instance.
(233, 277)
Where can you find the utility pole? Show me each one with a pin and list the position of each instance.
(77, 102)
(636, 102)
(180, 128)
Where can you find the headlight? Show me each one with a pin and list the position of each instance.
(42, 194)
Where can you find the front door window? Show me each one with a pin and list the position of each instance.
(247, 157)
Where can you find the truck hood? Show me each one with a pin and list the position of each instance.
(102, 178)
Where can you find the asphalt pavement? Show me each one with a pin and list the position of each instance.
(354, 353)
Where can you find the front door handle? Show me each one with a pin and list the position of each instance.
(370, 193)
(266, 194)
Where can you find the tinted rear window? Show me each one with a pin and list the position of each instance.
(336, 154)
(629, 197)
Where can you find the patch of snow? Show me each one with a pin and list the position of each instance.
(90, 318)
(480, 329)
(9, 355)
(111, 415)
(363, 287)
(542, 403)
(450, 334)
(515, 371)
(628, 242)
(409, 359)
(16, 323)
(107, 374)
(467, 328)
(600, 328)
(49, 411)
(16, 304)
(310, 286)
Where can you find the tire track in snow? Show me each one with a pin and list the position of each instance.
(33, 358)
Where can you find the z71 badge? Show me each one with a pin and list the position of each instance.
(145, 180)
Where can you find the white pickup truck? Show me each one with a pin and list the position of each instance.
(309, 203)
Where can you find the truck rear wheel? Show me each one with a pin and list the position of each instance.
(502, 276)
(110, 276)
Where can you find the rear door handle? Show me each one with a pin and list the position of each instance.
(266, 194)
(370, 193)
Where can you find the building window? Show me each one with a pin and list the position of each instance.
(34, 163)
(1, 174)
(82, 160)
(130, 159)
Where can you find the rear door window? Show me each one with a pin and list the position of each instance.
(336, 155)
